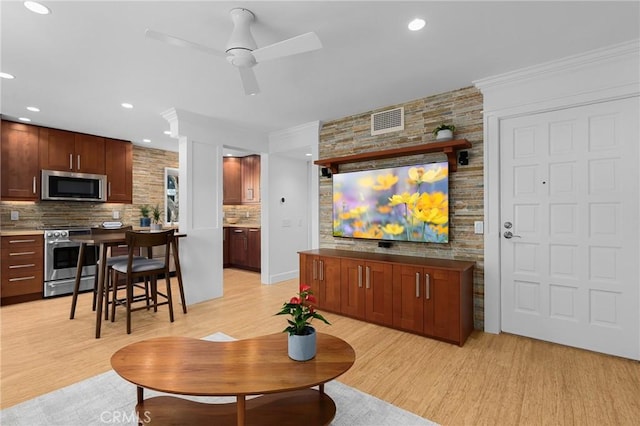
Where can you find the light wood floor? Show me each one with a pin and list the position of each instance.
(492, 380)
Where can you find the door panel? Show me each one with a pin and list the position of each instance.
(570, 271)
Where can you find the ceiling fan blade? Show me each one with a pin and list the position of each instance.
(292, 46)
(249, 81)
(176, 41)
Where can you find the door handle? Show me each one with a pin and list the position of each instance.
(508, 235)
(427, 284)
(368, 271)
(360, 276)
(417, 285)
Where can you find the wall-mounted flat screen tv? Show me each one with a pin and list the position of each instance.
(409, 203)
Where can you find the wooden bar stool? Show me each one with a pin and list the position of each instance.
(147, 268)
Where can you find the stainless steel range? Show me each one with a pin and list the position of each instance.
(61, 260)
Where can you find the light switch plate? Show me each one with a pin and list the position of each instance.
(15, 215)
(478, 227)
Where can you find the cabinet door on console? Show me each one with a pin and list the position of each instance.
(378, 286)
(442, 304)
(329, 277)
(352, 296)
(408, 293)
(322, 274)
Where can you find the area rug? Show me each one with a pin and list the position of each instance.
(109, 399)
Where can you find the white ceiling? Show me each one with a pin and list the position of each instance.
(79, 63)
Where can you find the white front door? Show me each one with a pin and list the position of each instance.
(569, 197)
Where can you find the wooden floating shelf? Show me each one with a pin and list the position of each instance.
(450, 148)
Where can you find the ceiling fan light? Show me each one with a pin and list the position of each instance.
(36, 7)
(417, 24)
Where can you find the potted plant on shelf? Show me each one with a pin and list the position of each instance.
(444, 132)
(302, 336)
(145, 220)
(156, 225)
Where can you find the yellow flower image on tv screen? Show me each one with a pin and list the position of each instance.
(409, 203)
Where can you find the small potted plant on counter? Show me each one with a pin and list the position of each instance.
(156, 225)
(145, 220)
(444, 132)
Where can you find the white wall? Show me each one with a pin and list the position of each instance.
(290, 224)
(201, 140)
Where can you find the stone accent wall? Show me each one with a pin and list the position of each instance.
(148, 188)
(352, 135)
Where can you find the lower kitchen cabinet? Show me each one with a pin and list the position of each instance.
(22, 268)
(431, 297)
(253, 249)
(225, 247)
(243, 248)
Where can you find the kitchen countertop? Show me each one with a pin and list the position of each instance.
(242, 225)
(14, 232)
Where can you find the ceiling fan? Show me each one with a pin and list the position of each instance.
(242, 51)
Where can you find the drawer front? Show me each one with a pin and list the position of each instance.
(27, 282)
(19, 242)
(22, 265)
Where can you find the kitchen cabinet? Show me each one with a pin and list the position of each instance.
(231, 180)
(366, 290)
(22, 268)
(119, 171)
(430, 297)
(322, 274)
(244, 248)
(241, 180)
(225, 247)
(250, 179)
(68, 151)
(20, 169)
(238, 246)
(253, 247)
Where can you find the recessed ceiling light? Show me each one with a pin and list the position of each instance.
(6, 75)
(167, 132)
(308, 155)
(126, 105)
(33, 109)
(417, 24)
(36, 7)
(24, 119)
(146, 140)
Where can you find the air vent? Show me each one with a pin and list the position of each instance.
(387, 121)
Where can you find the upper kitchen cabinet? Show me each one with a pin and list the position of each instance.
(250, 172)
(231, 180)
(68, 151)
(119, 171)
(20, 170)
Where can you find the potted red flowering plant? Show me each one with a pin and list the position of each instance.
(302, 336)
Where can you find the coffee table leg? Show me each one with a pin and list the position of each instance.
(140, 392)
(321, 388)
(241, 409)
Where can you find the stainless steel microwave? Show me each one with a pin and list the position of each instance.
(69, 186)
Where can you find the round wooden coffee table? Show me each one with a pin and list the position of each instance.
(240, 368)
